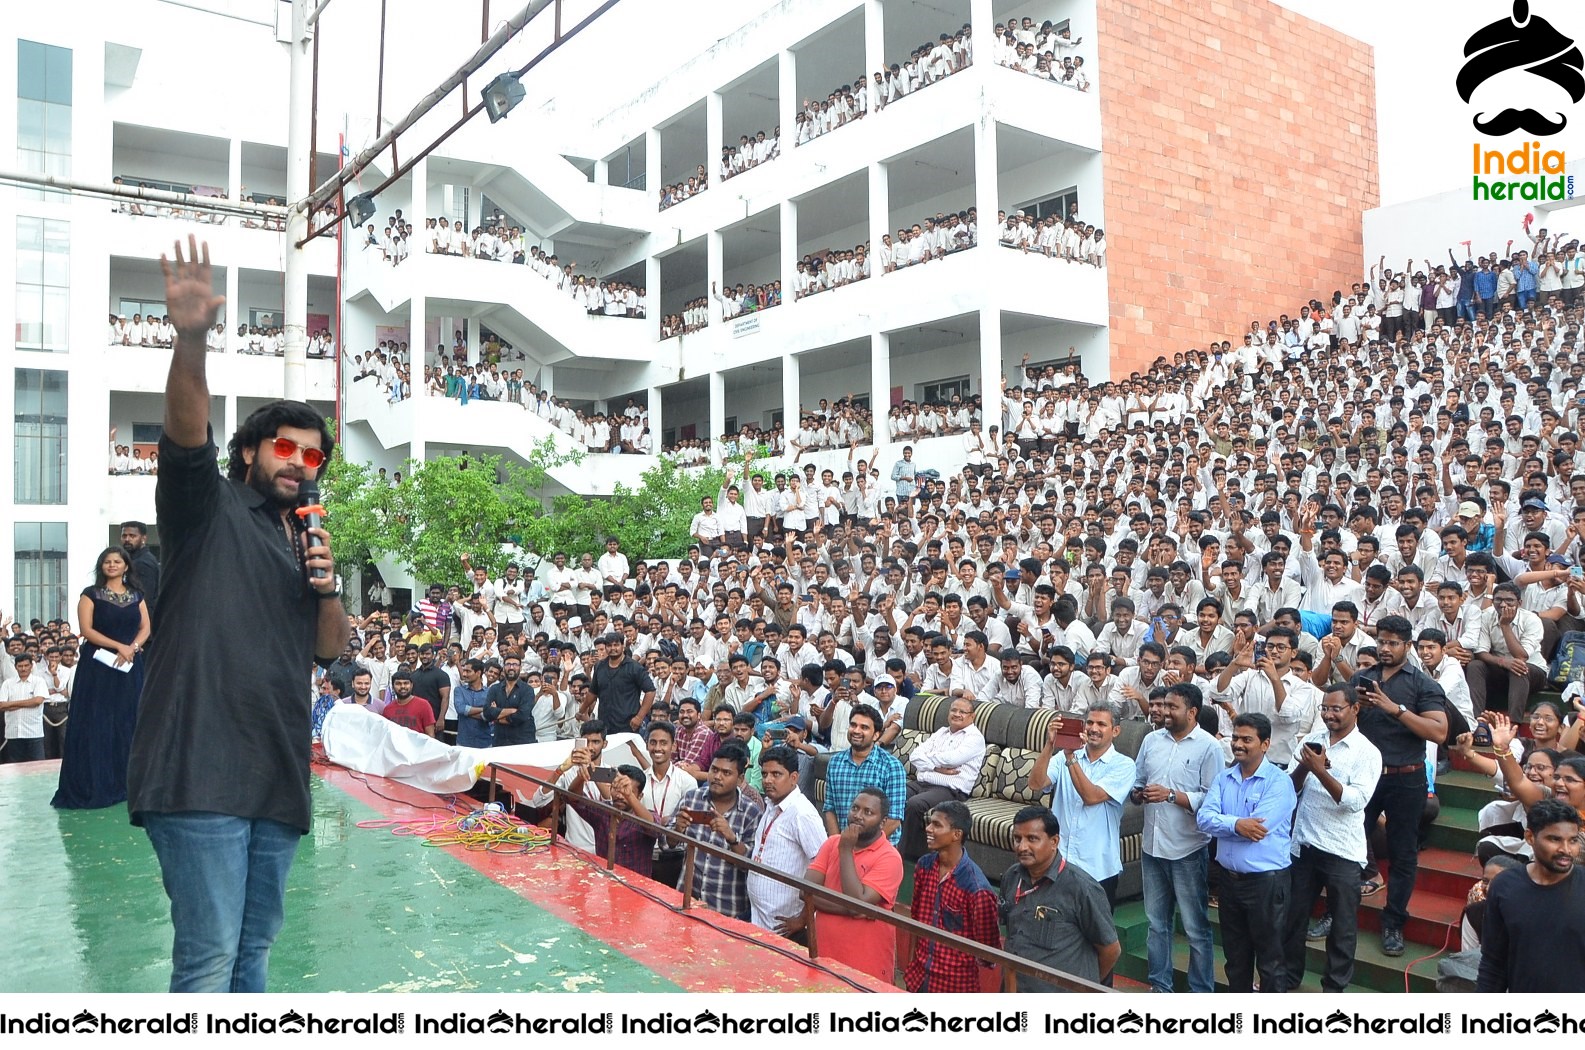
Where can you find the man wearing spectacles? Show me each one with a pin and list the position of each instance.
(1335, 773)
(232, 691)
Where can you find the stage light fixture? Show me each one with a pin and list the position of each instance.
(501, 94)
(360, 209)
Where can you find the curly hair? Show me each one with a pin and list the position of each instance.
(262, 425)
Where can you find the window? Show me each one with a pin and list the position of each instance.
(40, 445)
(131, 308)
(1061, 205)
(40, 562)
(944, 390)
(43, 283)
(44, 112)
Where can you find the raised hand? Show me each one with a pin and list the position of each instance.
(190, 299)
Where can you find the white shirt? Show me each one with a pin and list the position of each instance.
(1336, 827)
(789, 835)
(963, 748)
(662, 795)
(26, 723)
(1252, 693)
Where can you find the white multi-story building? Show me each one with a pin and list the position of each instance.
(174, 97)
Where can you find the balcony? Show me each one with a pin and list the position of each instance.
(486, 424)
(511, 300)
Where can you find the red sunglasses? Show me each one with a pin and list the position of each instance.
(313, 458)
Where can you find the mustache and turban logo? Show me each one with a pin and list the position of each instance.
(1531, 43)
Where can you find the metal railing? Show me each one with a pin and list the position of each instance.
(1011, 965)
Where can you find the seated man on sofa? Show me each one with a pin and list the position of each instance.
(945, 768)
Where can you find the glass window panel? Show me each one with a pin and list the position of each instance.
(41, 577)
(30, 69)
(52, 403)
(30, 317)
(30, 124)
(56, 320)
(58, 75)
(57, 126)
(30, 251)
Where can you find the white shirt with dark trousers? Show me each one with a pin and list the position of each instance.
(789, 834)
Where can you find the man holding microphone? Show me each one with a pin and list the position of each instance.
(218, 776)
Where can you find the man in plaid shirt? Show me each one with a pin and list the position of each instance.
(864, 765)
(732, 818)
(951, 893)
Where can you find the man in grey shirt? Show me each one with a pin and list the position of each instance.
(1174, 770)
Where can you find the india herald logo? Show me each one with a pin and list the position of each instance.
(1531, 43)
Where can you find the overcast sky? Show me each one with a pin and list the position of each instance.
(1423, 126)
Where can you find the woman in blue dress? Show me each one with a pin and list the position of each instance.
(114, 619)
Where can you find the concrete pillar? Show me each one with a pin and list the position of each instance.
(880, 210)
(656, 420)
(788, 103)
(714, 279)
(419, 409)
(991, 368)
(713, 133)
(717, 412)
(547, 379)
(791, 398)
(234, 171)
(875, 38)
(982, 19)
(652, 294)
(880, 381)
(234, 312)
(230, 419)
(652, 178)
(987, 195)
(474, 355)
(602, 173)
(789, 246)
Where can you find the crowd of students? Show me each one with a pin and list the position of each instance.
(1318, 557)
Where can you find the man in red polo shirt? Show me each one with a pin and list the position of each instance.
(862, 863)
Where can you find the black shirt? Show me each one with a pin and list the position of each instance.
(1410, 688)
(518, 728)
(427, 683)
(620, 691)
(1533, 939)
(146, 568)
(223, 724)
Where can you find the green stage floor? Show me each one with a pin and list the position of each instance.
(366, 910)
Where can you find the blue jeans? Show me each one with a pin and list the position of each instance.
(226, 878)
(1179, 884)
(1466, 310)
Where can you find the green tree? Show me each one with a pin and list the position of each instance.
(444, 508)
(652, 521)
(355, 514)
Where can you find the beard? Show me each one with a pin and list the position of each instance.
(269, 489)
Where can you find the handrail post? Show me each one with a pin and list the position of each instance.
(610, 843)
(687, 875)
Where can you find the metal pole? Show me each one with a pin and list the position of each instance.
(299, 118)
(508, 30)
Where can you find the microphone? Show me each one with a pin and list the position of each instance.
(312, 513)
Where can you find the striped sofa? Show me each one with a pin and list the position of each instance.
(1014, 737)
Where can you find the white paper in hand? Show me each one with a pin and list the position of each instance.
(108, 657)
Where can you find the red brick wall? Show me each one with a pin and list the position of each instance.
(1240, 152)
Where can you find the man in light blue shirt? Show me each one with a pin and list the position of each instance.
(1088, 788)
(1174, 770)
(1249, 811)
(467, 703)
